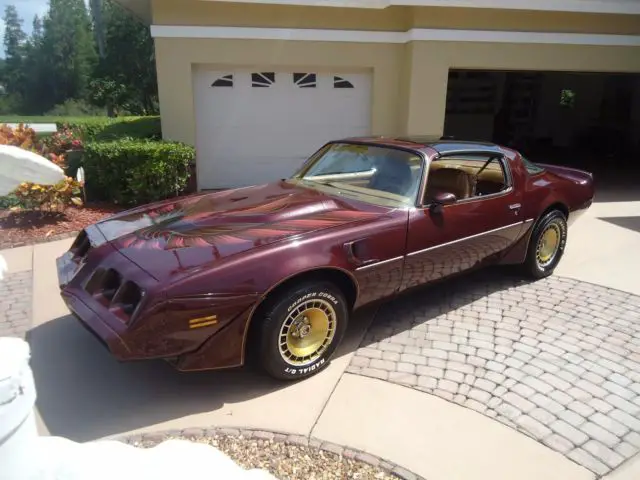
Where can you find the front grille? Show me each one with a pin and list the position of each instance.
(110, 284)
(127, 298)
(120, 296)
(81, 246)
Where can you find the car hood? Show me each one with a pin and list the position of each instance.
(173, 236)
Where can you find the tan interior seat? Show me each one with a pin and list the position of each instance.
(451, 180)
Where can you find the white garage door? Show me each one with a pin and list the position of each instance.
(257, 127)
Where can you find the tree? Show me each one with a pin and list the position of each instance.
(68, 51)
(126, 77)
(98, 25)
(14, 50)
(35, 85)
(36, 33)
(104, 55)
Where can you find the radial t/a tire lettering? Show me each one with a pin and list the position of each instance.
(546, 245)
(301, 329)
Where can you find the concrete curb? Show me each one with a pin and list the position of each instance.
(300, 440)
(53, 238)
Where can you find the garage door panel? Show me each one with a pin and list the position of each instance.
(249, 134)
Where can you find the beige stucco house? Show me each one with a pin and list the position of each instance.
(257, 86)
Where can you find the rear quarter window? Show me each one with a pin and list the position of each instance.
(531, 167)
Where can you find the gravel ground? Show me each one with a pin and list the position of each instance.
(290, 462)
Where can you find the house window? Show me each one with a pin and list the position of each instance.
(339, 82)
(567, 98)
(305, 80)
(263, 79)
(226, 81)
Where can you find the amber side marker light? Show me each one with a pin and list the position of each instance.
(203, 321)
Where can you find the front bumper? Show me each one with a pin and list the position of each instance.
(157, 328)
(97, 319)
(95, 325)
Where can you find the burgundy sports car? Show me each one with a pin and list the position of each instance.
(273, 272)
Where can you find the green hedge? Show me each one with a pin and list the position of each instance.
(36, 118)
(99, 128)
(106, 129)
(133, 171)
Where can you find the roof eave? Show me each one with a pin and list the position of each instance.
(141, 9)
(624, 7)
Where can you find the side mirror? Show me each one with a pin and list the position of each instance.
(441, 199)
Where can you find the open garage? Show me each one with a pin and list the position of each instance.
(588, 120)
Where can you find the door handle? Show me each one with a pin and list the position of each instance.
(352, 255)
(515, 207)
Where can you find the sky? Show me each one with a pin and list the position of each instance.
(27, 9)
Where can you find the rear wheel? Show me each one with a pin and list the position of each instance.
(301, 329)
(547, 244)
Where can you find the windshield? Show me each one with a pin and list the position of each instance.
(381, 175)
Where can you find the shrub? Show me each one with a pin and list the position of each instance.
(20, 136)
(62, 141)
(132, 171)
(105, 129)
(75, 108)
(9, 201)
(33, 196)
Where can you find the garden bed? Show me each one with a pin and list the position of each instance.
(28, 227)
(289, 461)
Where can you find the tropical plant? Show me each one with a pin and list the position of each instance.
(21, 136)
(32, 196)
(62, 141)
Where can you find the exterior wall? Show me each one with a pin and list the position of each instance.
(409, 80)
(198, 12)
(524, 20)
(175, 59)
(202, 12)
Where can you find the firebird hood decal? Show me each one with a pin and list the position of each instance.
(226, 223)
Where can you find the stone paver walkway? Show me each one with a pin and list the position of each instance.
(557, 359)
(15, 304)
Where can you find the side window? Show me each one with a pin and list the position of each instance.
(467, 176)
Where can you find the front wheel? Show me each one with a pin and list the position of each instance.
(301, 329)
(546, 246)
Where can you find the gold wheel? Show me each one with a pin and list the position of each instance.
(307, 332)
(548, 245)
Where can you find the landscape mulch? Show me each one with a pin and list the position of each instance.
(19, 228)
(290, 462)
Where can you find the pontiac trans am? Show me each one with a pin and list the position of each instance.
(273, 272)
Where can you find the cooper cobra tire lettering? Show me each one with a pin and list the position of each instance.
(300, 300)
(276, 312)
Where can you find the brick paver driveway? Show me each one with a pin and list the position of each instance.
(556, 359)
(15, 304)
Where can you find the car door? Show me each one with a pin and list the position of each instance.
(480, 225)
